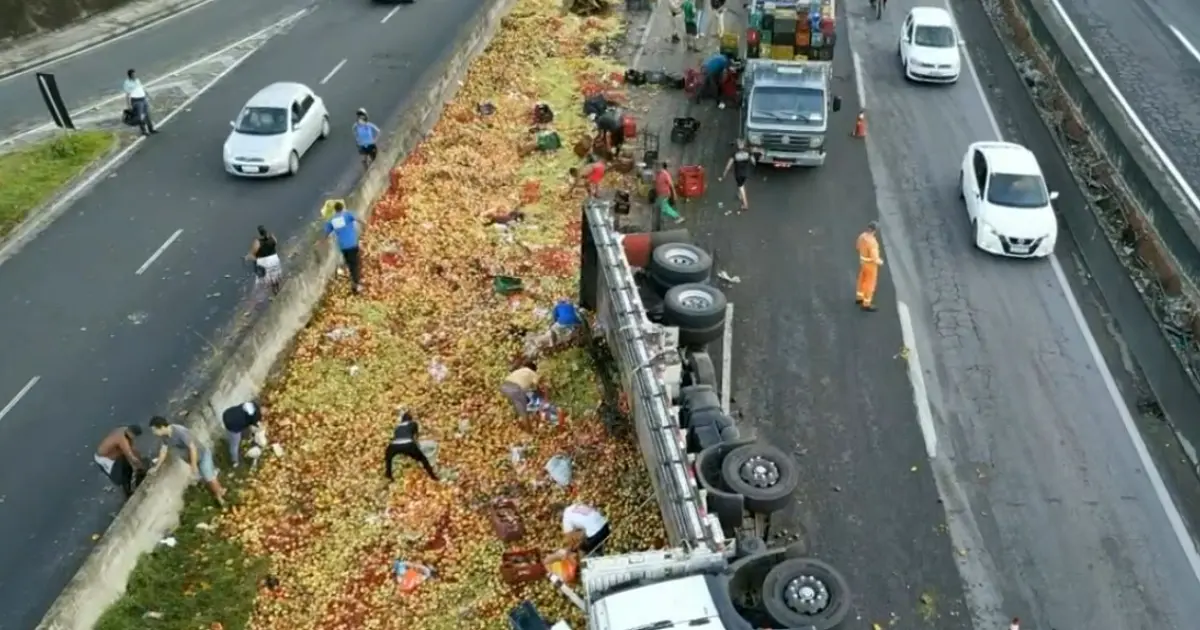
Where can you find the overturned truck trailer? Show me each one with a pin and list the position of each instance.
(716, 489)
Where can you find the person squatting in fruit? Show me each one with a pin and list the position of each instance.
(519, 385)
(118, 457)
(406, 441)
(585, 529)
(610, 131)
(869, 262)
(740, 162)
(242, 421)
(178, 439)
(714, 69)
(591, 174)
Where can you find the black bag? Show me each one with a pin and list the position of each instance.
(129, 117)
(635, 77)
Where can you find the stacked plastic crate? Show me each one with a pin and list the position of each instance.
(792, 30)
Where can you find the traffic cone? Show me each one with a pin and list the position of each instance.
(1015, 625)
(860, 125)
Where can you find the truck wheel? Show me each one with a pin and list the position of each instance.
(765, 475)
(680, 263)
(700, 367)
(730, 434)
(699, 401)
(698, 339)
(695, 306)
(805, 592)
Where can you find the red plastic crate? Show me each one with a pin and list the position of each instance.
(629, 125)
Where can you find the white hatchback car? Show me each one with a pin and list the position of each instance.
(274, 130)
(929, 46)
(1007, 201)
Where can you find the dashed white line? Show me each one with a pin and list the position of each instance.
(917, 376)
(1186, 44)
(1187, 545)
(727, 359)
(333, 72)
(389, 15)
(158, 252)
(21, 394)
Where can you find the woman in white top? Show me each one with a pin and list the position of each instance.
(586, 528)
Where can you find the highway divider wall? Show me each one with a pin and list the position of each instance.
(1145, 214)
(154, 509)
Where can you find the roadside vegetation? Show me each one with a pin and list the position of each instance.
(30, 176)
(313, 535)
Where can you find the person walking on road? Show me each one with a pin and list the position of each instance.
(740, 162)
(241, 421)
(406, 441)
(344, 227)
(264, 253)
(691, 24)
(117, 456)
(177, 438)
(366, 136)
(138, 102)
(664, 193)
(869, 262)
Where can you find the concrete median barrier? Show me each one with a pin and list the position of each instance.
(154, 509)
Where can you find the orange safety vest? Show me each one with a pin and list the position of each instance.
(868, 249)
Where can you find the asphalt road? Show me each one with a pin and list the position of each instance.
(1037, 503)
(1143, 45)
(110, 347)
(98, 73)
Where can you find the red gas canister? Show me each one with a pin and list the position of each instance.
(629, 125)
(691, 181)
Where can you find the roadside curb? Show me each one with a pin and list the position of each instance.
(27, 53)
(154, 510)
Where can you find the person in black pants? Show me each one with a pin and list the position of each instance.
(406, 441)
(740, 162)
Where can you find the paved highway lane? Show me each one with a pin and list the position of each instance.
(1149, 49)
(1049, 499)
(98, 72)
(110, 346)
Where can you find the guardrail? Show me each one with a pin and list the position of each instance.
(608, 288)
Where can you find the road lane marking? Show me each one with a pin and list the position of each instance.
(916, 375)
(641, 46)
(858, 81)
(390, 14)
(30, 229)
(21, 394)
(105, 42)
(158, 252)
(1139, 445)
(727, 359)
(333, 72)
(158, 81)
(1186, 44)
(1128, 109)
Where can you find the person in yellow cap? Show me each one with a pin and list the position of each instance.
(869, 262)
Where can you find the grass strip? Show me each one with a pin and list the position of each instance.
(30, 176)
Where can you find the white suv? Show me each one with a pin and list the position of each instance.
(929, 46)
(1007, 201)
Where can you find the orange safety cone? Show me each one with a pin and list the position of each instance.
(860, 125)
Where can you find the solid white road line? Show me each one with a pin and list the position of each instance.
(42, 219)
(727, 359)
(106, 42)
(858, 81)
(21, 394)
(158, 252)
(1160, 489)
(1186, 44)
(389, 14)
(1128, 109)
(917, 376)
(158, 81)
(641, 46)
(333, 72)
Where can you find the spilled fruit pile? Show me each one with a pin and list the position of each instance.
(431, 333)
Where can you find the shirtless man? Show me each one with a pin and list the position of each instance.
(118, 458)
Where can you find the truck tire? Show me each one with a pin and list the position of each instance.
(765, 475)
(699, 398)
(805, 592)
(698, 339)
(730, 434)
(701, 369)
(694, 307)
(702, 436)
(674, 264)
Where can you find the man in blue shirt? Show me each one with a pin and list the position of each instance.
(714, 69)
(366, 135)
(344, 227)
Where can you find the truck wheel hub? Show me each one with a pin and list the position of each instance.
(695, 300)
(806, 595)
(760, 472)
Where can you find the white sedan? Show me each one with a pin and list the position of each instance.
(929, 46)
(274, 130)
(1007, 201)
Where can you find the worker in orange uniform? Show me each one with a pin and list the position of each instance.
(869, 262)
